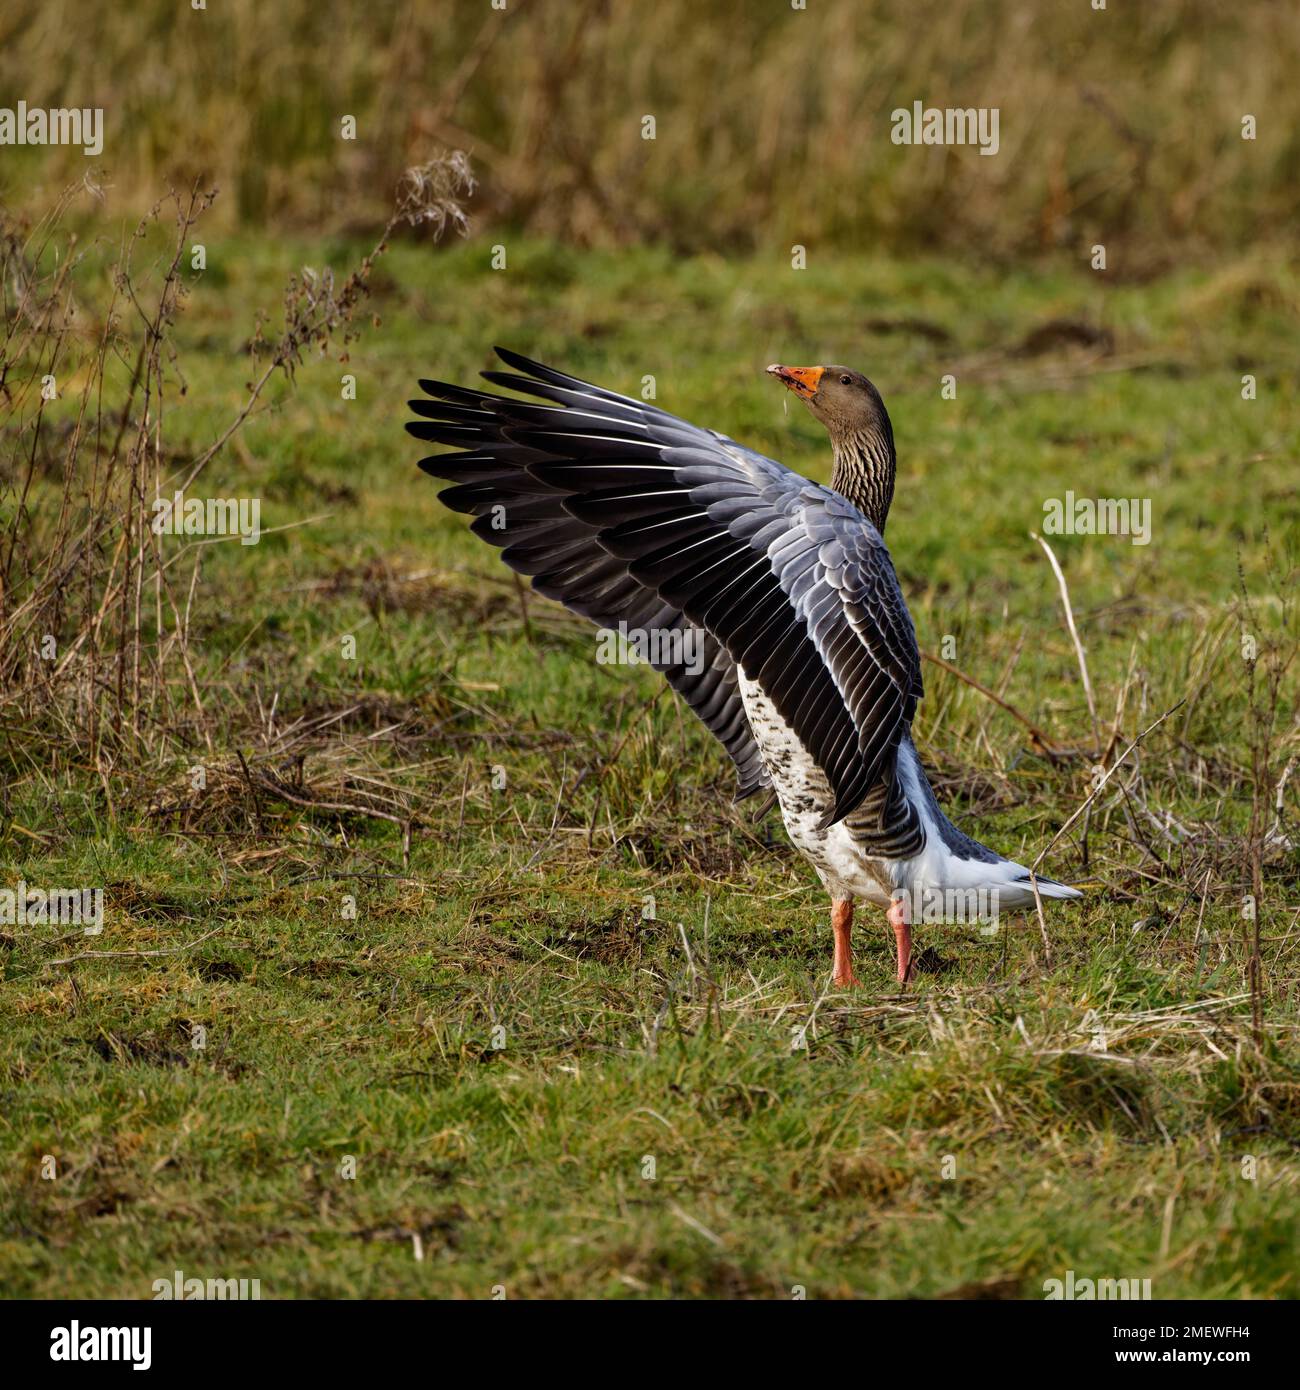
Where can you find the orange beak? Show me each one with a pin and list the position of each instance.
(801, 380)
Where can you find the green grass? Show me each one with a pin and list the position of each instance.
(974, 1135)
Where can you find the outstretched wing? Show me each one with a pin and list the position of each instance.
(624, 512)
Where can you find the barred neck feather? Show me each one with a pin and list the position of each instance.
(864, 470)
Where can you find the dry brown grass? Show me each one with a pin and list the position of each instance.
(96, 664)
(1120, 125)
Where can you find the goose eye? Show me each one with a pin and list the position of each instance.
(846, 381)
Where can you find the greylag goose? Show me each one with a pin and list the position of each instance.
(805, 665)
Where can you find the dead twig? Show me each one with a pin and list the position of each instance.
(1045, 744)
(122, 955)
(1091, 797)
(1074, 634)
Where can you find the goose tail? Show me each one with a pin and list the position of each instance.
(1047, 887)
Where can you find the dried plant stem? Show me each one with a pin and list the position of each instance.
(1091, 797)
(122, 955)
(1074, 635)
(1044, 743)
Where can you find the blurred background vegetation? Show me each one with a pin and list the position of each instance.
(1121, 125)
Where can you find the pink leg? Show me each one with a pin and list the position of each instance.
(842, 925)
(898, 919)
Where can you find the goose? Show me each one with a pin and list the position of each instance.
(803, 658)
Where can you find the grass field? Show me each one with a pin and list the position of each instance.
(476, 912)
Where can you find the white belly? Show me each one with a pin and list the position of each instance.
(804, 796)
(842, 861)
